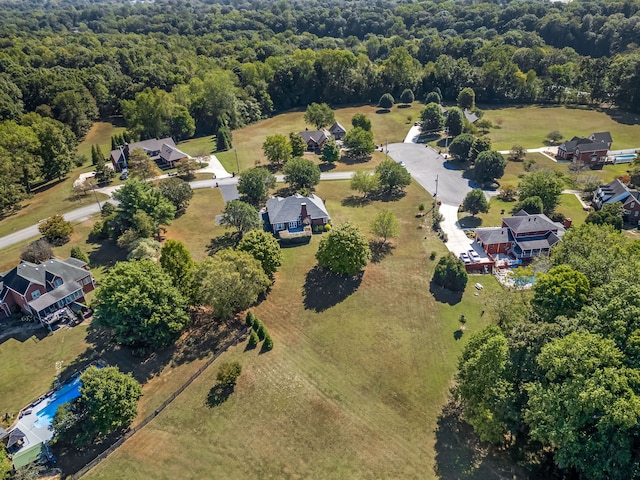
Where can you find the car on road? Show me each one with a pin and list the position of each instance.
(465, 258)
(474, 255)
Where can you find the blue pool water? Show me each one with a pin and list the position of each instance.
(625, 157)
(67, 393)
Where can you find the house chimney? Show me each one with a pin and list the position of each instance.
(303, 211)
(567, 223)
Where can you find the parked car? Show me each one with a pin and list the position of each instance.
(465, 258)
(474, 255)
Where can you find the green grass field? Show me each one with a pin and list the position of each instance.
(529, 125)
(354, 386)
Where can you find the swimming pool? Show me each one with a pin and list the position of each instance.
(625, 158)
(68, 392)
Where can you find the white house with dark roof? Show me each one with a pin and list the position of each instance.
(163, 151)
(294, 212)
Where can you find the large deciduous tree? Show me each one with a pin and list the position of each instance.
(229, 281)
(263, 247)
(365, 182)
(385, 225)
(277, 149)
(176, 261)
(467, 98)
(319, 115)
(610, 214)
(362, 121)
(141, 304)
(489, 166)
(560, 291)
(454, 121)
(177, 191)
(392, 175)
(460, 147)
(359, 143)
(141, 165)
(37, 251)
(241, 216)
(344, 250)
(475, 202)
(56, 229)
(544, 184)
(480, 144)
(330, 151)
(431, 118)
(254, 185)
(298, 147)
(301, 173)
(450, 273)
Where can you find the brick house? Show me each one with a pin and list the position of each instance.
(294, 212)
(616, 191)
(591, 151)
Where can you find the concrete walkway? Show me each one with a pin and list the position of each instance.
(413, 134)
(457, 240)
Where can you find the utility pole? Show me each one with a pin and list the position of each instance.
(386, 149)
(237, 164)
(436, 194)
(96, 195)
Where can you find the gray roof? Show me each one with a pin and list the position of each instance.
(538, 243)
(283, 210)
(170, 153)
(570, 145)
(76, 262)
(49, 298)
(470, 116)
(21, 276)
(592, 147)
(604, 137)
(317, 136)
(336, 127)
(493, 235)
(530, 223)
(152, 144)
(15, 436)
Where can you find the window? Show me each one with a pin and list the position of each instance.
(633, 204)
(293, 224)
(635, 214)
(57, 282)
(35, 294)
(86, 281)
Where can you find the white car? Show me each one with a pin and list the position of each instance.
(402, 164)
(474, 255)
(465, 258)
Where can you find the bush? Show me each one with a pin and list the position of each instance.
(421, 207)
(37, 251)
(250, 319)
(259, 328)
(268, 342)
(76, 252)
(228, 373)
(253, 339)
(451, 274)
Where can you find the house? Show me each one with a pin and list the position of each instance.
(164, 152)
(44, 289)
(616, 191)
(294, 212)
(591, 151)
(315, 139)
(338, 131)
(470, 116)
(522, 237)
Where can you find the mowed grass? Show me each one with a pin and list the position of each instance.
(99, 134)
(391, 126)
(353, 387)
(529, 125)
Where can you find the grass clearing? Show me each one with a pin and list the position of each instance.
(529, 125)
(354, 386)
(99, 134)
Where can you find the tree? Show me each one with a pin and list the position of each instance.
(517, 154)
(560, 291)
(56, 143)
(609, 214)
(263, 247)
(480, 144)
(108, 401)
(298, 147)
(141, 165)
(466, 98)
(461, 146)
(359, 143)
(344, 250)
(224, 139)
(104, 172)
(76, 108)
(554, 137)
(407, 97)
(386, 101)
(141, 304)
(450, 273)
(392, 175)
(144, 249)
(385, 225)
(177, 191)
(37, 251)
(509, 194)
(544, 184)
(96, 154)
(136, 196)
(19, 145)
(365, 182)
(277, 149)
(254, 185)
(531, 205)
(489, 166)
(77, 253)
(454, 121)
(6, 466)
(241, 216)
(228, 373)
(229, 281)
(475, 202)
(482, 384)
(362, 121)
(319, 114)
(484, 125)
(330, 151)
(176, 261)
(56, 229)
(301, 173)
(431, 118)
(187, 167)
(433, 97)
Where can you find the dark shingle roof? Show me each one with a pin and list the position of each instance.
(336, 127)
(530, 223)
(493, 235)
(604, 137)
(318, 136)
(470, 116)
(76, 262)
(283, 210)
(571, 145)
(21, 276)
(538, 243)
(152, 144)
(15, 436)
(592, 147)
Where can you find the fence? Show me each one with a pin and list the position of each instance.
(129, 433)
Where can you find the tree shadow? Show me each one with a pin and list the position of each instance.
(219, 394)
(444, 295)
(14, 328)
(392, 195)
(383, 110)
(323, 289)
(285, 192)
(327, 167)
(455, 164)
(470, 222)
(228, 240)
(379, 250)
(619, 116)
(460, 455)
(355, 201)
(404, 105)
(107, 254)
(347, 160)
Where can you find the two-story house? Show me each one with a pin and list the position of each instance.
(163, 151)
(616, 191)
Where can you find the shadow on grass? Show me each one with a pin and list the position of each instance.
(355, 201)
(444, 295)
(383, 110)
(327, 167)
(15, 329)
(219, 394)
(107, 254)
(346, 160)
(379, 250)
(228, 240)
(404, 105)
(388, 195)
(460, 455)
(470, 222)
(323, 289)
(619, 116)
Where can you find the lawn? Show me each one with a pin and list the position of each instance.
(99, 134)
(392, 127)
(356, 382)
(529, 125)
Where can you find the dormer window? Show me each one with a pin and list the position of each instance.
(35, 294)
(57, 282)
